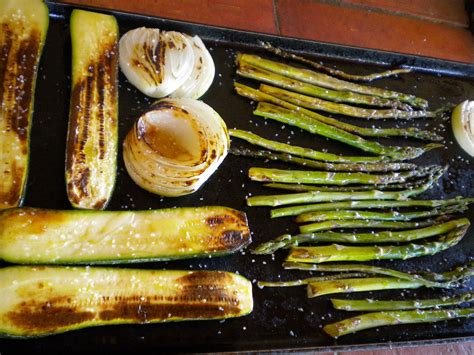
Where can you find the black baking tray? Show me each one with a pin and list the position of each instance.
(282, 318)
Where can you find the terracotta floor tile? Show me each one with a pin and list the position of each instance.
(253, 15)
(450, 12)
(339, 24)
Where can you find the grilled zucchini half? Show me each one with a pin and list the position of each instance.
(91, 156)
(39, 301)
(24, 24)
(39, 236)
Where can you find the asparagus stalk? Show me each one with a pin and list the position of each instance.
(321, 216)
(443, 282)
(380, 237)
(337, 252)
(317, 196)
(300, 151)
(327, 106)
(252, 72)
(314, 126)
(378, 319)
(411, 184)
(376, 305)
(370, 204)
(320, 288)
(303, 188)
(336, 178)
(326, 81)
(459, 273)
(334, 72)
(378, 167)
(413, 132)
(357, 223)
(301, 282)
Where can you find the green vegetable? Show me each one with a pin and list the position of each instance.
(292, 283)
(39, 301)
(376, 305)
(249, 71)
(297, 119)
(300, 151)
(334, 72)
(296, 210)
(337, 252)
(336, 178)
(378, 319)
(91, 154)
(342, 109)
(448, 279)
(317, 196)
(38, 236)
(376, 167)
(356, 223)
(24, 24)
(320, 288)
(414, 132)
(320, 216)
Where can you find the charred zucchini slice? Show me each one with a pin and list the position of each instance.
(38, 236)
(38, 301)
(91, 155)
(24, 24)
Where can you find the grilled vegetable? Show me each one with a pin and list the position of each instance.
(175, 146)
(322, 80)
(24, 24)
(160, 63)
(378, 319)
(376, 305)
(34, 236)
(38, 301)
(337, 252)
(91, 156)
(462, 120)
(334, 72)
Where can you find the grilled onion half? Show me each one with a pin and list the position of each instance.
(161, 63)
(462, 120)
(174, 147)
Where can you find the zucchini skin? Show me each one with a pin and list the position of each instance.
(21, 44)
(92, 139)
(40, 236)
(40, 301)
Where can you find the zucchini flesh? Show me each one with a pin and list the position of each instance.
(24, 24)
(38, 301)
(91, 156)
(39, 236)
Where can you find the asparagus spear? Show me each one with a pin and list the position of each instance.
(314, 126)
(378, 167)
(326, 81)
(327, 106)
(317, 196)
(376, 305)
(300, 151)
(296, 210)
(442, 282)
(301, 282)
(303, 187)
(332, 71)
(380, 237)
(413, 132)
(320, 216)
(357, 223)
(336, 178)
(320, 288)
(378, 319)
(337, 252)
(252, 72)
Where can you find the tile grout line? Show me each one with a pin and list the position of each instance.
(275, 15)
(369, 8)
